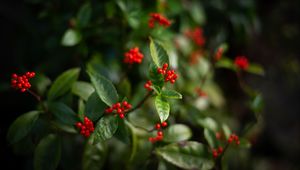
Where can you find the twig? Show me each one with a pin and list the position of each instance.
(38, 98)
(141, 102)
(145, 129)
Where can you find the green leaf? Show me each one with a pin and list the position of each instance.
(156, 78)
(176, 133)
(84, 15)
(104, 88)
(197, 13)
(187, 155)
(255, 69)
(226, 130)
(123, 132)
(158, 53)
(63, 83)
(82, 89)
(162, 107)
(47, 153)
(81, 109)
(125, 87)
(208, 123)
(244, 143)
(257, 104)
(63, 127)
(171, 94)
(94, 107)
(41, 82)
(105, 129)
(211, 139)
(94, 156)
(63, 113)
(226, 63)
(22, 126)
(157, 89)
(70, 38)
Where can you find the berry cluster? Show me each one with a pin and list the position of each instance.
(194, 56)
(241, 62)
(169, 75)
(218, 54)
(196, 35)
(217, 152)
(119, 108)
(148, 85)
(133, 56)
(161, 20)
(160, 134)
(234, 137)
(86, 128)
(21, 82)
(200, 92)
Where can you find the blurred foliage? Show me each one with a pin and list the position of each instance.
(93, 36)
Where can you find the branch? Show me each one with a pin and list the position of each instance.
(141, 102)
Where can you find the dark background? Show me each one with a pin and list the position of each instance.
(275, 45)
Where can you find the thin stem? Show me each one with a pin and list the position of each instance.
(218, 164)
(38, 98)
(141, 102)
(247, 89)
(145, 129)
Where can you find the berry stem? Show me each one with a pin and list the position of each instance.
(142, 128)
(243, 84)
(141, 102)
(38, 98)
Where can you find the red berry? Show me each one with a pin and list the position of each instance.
(220, 149)
(128, 106)
(14, 76)
(109, 110)
(159, 138)
(125, 103)
(237, 142)
(159, 133)
(241, 62)
(151, 139)
(133, 56)
(119, 111)
(157, 126)
(161, 20)
(78, 124)
(218, 135)
(215, 153)
(118, 105)
(165, 66)
(230, 139)
(121, 116)
(164, 124)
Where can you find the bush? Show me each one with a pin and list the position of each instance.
(142, 93)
